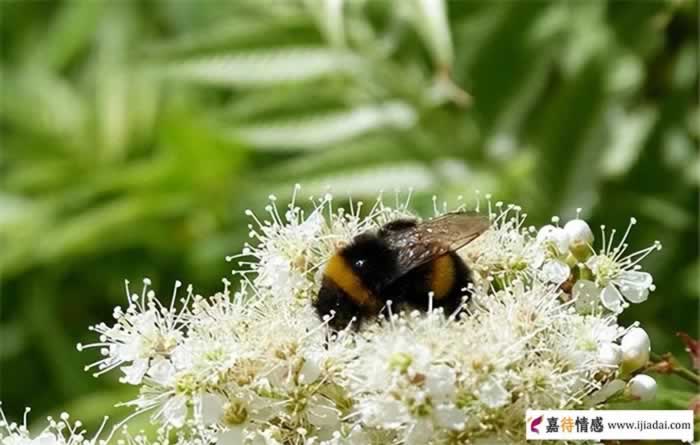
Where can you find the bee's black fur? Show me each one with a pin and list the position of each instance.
(332, 299)
(397, 225)
(373, 261)
(413, 288)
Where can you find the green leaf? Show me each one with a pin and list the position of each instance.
(316, 132)
(629, 134)
(264, 67)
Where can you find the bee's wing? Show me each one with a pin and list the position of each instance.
(419, 243)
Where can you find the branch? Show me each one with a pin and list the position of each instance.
(668, 364)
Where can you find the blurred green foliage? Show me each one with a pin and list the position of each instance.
(134, 134)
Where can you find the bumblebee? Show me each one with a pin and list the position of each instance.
(404, 261)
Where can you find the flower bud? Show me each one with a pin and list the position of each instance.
(635, 347)
(579, 231)
(555, 236)
(580, 238)
(641, 387)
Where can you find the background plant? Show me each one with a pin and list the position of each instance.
(134, 134)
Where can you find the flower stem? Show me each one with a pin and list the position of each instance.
(668, 364)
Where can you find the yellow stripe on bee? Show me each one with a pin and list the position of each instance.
(442, 276)
(345, 278)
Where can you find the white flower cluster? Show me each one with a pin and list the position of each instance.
(258, 366)
(64, 431)
(57, 432)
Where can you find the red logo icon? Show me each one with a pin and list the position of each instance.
(535, 423)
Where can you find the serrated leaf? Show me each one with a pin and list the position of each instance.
(264, 67)
(369, 181)
(40, 102)
(315, 132)
(230, 32)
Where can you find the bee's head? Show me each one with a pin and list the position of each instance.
(371, 260)
(353, 281)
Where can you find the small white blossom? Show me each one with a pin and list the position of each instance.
(58, 432)
(145, 331)
(618, 275)
(507, 251)
(234, 419)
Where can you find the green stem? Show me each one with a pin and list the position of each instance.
(676, 367)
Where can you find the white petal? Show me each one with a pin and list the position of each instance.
(555, 271)
(323, 415)
(635, 285)
(586, 294)
(611, 298)
(383, 413)
(450, 417)
(636, 279)
(162, 371)
(420, 434)
(359, 437)
(610, 354)
(183, 355)
(130, 350)
(592, 262)
(134, 374)
(440, 383)
(310, 370)
(493, 395)
(555, 236)
(211, 408)
(15, 439)
(635, 294)
(45, 439)
(536, 257)
(261, 408)
(421, 357)
(175, 411)
(233, 436)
